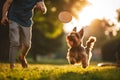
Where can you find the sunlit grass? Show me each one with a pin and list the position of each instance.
(58, 72)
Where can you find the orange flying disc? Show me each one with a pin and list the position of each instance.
(65, 16)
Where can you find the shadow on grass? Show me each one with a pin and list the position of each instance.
(50, 61)
(106, 74)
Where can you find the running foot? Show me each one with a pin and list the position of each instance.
(12, 65)
(23, 61)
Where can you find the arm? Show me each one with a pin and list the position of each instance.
(6, 6)
(41, 6)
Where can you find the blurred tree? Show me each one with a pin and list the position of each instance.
(111, 47)
(118, 14)
(48, 30)
(96, 28)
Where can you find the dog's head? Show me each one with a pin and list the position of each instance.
(74, 38)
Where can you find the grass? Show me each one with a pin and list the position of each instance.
(58, 72)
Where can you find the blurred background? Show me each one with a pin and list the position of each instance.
(99, 18)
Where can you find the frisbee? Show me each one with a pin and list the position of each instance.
(65, 16)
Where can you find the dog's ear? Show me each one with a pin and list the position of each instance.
(81, 32)
(75, 29)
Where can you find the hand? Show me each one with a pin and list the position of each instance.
(4, 20)
(41, 6)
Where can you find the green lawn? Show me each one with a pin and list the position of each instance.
(58, 72)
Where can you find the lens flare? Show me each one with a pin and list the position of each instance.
(98, 9)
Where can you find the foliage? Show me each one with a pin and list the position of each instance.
(118, 14)
(109, 44)
(97, 29)
(58, 72)
(110, 48)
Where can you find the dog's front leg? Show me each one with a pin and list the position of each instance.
(84, 61)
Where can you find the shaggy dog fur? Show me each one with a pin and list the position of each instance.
(77, 53)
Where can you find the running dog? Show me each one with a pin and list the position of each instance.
(77, 53)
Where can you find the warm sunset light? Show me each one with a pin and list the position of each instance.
(98, 9)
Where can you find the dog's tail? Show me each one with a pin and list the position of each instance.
(90, 43)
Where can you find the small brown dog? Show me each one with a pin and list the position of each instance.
(77, 53)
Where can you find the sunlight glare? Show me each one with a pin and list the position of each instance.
(98, 9)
